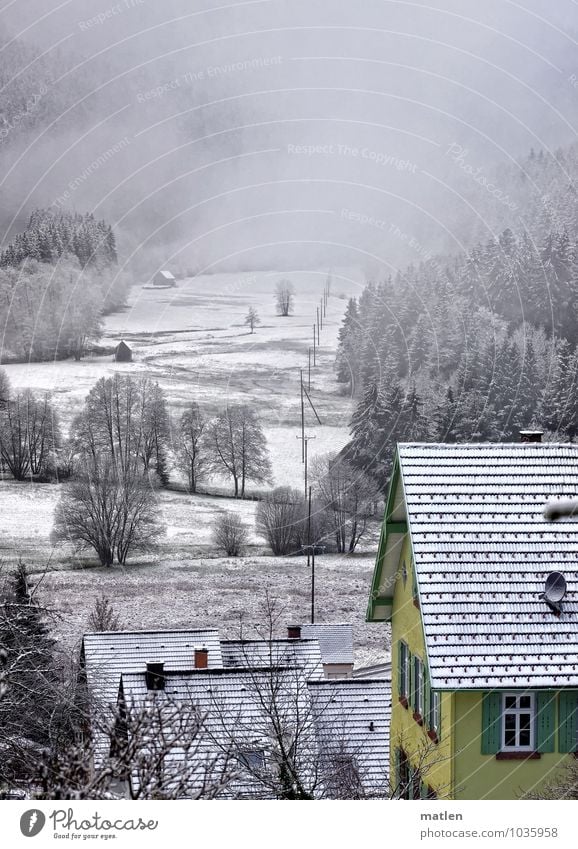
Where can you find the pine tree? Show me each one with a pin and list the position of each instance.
(27, 712)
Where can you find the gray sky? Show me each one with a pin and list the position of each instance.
(282, 132)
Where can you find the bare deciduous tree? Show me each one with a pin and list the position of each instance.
(285, 296)
(192, 451)
(155, 752)
(239, 448)
(347, 495)
(29, 436)
(252, 319)
(126, 419)
(109, 511)
(280, 518)
(230, 534)
(5, 389)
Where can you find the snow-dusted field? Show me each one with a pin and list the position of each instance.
(192, 339)
(184, 593)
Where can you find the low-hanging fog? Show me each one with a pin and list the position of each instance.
(281, 133)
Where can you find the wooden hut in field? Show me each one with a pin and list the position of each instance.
(122, 353)
(164, 278)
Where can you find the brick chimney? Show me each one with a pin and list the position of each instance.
(155, 676)
(531, 435)
(294, 632)
(201, 658)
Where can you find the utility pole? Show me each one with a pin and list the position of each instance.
(302, 421)
(321, 312)
(318, 339)
(311, 550)
(314, 347)
(306, 470)
(309, 372)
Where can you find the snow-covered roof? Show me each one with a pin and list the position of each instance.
(342, 724)
(352, 719)
(303, 654)
(483, 550)
(108, 654)
(335, 641)
(239, 709)
(167, 275)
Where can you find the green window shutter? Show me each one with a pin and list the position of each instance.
(491, 723)
(568, 730)
(545, 721)
(426, 696)
(401, 685)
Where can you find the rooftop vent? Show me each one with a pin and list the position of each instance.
(554, 591)
(531, 435)
(155, 677)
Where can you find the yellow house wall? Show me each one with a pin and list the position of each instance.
(478, 776)
(405, 732)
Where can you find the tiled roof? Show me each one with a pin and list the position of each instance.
(303, 654)
(108, 654)
(352, 717)
(381, 671)
(335, 641)
(335, 718)
(483, 551)
(236, 719)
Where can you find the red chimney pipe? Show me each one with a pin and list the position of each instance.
(201, 658)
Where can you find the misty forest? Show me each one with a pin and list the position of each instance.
(246, 250)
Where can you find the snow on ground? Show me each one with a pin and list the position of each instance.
(193, 341)
(185, 593)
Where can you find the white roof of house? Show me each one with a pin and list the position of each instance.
(335, 641)
(483, 551)
(238, 711)
(352, 718)
(166, 274)
(335, 719)
(303, 654)
(108, 654)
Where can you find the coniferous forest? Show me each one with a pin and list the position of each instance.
(57, 279)
(476, 346)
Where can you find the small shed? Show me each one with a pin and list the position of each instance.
(164, 278)
(122, 353)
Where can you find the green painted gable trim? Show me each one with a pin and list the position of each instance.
(396, 527)
(377, 597)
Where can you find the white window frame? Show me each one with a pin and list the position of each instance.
(517, 711)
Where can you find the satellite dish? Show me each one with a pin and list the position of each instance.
(555, 588)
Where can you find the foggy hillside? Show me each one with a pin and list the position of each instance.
(271, 133)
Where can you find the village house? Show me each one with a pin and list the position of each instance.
(482, 595)
(164, 278)
(122, 353)
(342, 725)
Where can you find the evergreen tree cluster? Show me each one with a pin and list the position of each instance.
(473, 348)
(57, 279)
(52, 233)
